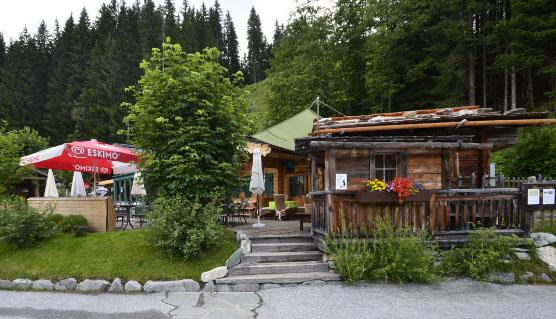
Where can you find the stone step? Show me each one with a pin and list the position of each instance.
(278, 247)
(268, 239)
(278, 257)
(291, 278)
(278, 268)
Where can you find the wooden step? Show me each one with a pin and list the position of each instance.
(282, 247)
(278, 268)
(290, 278)
(267, 239)
(278, 257)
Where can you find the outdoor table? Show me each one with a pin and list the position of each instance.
(127, 207)
(289, 204)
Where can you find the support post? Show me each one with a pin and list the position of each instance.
(314, 177)
(446, 169)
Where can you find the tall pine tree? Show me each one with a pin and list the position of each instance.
(230, 52)
(256, 49)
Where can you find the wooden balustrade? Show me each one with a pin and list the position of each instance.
(450, 210)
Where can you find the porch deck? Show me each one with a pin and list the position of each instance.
(273, 228)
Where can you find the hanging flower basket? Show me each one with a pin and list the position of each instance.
(399, 190)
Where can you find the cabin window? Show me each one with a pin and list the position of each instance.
(385, 167)
(296, 185)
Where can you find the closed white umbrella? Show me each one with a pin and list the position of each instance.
(77, 185)
(138, 188)
(50, 190)
(256, 185)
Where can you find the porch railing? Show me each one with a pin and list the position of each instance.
(449, 210)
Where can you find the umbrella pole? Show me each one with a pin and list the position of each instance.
(258, 224)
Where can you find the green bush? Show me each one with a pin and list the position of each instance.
(479, 257)
(184, 227)
(75, 224)
(22, 226)
(391, 254)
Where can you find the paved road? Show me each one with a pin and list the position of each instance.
(453, 299)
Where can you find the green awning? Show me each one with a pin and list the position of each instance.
(284, 133)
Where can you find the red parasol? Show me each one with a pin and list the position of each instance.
(81, 156)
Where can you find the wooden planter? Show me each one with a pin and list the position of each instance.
(386, 197)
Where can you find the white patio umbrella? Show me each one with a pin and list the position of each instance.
(50, 190)
(138, 188)
(77, 185)
(256, 185)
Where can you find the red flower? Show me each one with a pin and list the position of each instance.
(403, 187)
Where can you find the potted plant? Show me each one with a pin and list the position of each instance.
(399, 190)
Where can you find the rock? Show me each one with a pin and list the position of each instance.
(210, 287)
(116, 286)
(243, 236)
(269, 286)
(66, 284)
(246, 246)
(331, 265)
(132, 286)
(43, 284)
(526, 276)
(325, 258)
(218, 272)
(548, 256)
(89, 285)
(502, 277)
(446, 111)
(185, 285)
(546, 278)
(244, 288)
(314, 283)
(409, 114)
(22, 283)
(515, 111)
(5, 284)
(520, 250)
(522, 256)
(223, 288)
(238, 236)
(543, 239)
(235, 258)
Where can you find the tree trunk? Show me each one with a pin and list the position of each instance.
(472, 89)
(530, 87)
(484, 75)
(514, 88)
(505, 89)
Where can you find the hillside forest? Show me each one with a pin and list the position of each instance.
(68, 81)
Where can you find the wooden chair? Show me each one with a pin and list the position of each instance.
(281, 210)
(251, 207)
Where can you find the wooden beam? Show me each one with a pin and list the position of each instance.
(446, 169)
(332, 168)
(395, 127)
(399, 145)
(314, 177)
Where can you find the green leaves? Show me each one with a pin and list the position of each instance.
(190, 120)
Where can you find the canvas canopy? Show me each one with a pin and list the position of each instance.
(284, 133)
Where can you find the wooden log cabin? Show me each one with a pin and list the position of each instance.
(445, 150)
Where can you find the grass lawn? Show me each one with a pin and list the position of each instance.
(123, 254)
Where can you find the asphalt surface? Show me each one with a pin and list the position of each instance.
(452, 299)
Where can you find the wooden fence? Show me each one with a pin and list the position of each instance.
(450, 210)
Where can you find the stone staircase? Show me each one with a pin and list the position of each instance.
(278, 260)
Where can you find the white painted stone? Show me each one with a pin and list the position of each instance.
(132, 286)
(89, 285)
(43, 284)
(545, 278)
(116, 286)
(548, 256)
(22, 283)
(526, 276)
(5, 284)
(66, 284)
(218, 272)
(246, 246)
(543, 239)
(522, 256)
(186, 285)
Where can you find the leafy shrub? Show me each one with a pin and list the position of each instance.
(184, 227)
(22, 226)
(75, 224)
(390, 254)
(482, 255)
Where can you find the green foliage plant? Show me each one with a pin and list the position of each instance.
(479, 257)
(189, 120)
(22, 226)
(184, 227)
(389, 253)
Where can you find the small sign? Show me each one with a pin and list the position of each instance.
(341, 181)
(548, 196)
(533, 196)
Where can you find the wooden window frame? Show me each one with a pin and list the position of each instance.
(401, 162)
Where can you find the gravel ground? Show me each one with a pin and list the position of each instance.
(452, 299)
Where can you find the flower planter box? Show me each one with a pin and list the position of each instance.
(387, 197)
